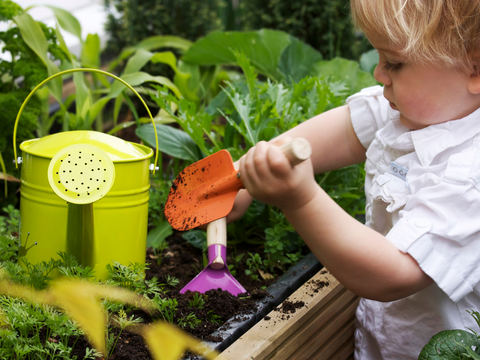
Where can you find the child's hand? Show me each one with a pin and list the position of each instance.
(270, 178)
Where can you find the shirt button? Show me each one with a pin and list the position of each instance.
(422, 223)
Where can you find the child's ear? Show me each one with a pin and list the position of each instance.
(474, 83)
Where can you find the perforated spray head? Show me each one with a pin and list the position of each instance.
(81, 174)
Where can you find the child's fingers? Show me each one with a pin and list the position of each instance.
(277, 162)
(252, 165)
(281, 141)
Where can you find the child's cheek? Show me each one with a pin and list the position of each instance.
(420, 109)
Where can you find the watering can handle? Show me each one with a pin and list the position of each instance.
(83, 70)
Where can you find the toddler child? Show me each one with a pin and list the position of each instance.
(415, 262)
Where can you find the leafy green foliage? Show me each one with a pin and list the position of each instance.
(454, 344)
(198, 238)
(122, 321)
(275, 54)
(23, 338)
(346, 186)
(323, 24)
(214, 318)
(132, 277)
(130, 22)
(254, 263)
(166, 307)
(20, 70)
(8, 247)
(197, 301)
(190, 321)
(10, 223)
(71, 268)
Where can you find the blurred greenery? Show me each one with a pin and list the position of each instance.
(323, 24)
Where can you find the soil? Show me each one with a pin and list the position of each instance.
(182, 261)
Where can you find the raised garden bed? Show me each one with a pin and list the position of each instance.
(316, 322)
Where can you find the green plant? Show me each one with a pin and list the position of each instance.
(18, 76)
(25, 324)
(254, 263)
(37, 275)
(71, 268)
(10, 223)
(130, 22)
(8, 247)
(197, 301)
(324, 24)
(214, 318)
(190, 321)
(454, 344)
(166, 307)
(123, 321)
(171, 280)
(26, 313)
(233, 267)
(132, 277)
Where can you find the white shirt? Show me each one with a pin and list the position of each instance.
(423, 193)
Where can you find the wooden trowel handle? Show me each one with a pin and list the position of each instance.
(217, 232)
(217, 235)
(297, 150)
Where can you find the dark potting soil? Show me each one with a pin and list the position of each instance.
(234, 315)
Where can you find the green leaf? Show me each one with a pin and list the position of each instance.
(137, 61)
(452, 345)
(98, 106)
(248, 71)
(91, 51)
(349, 71)
(369, 60)
(298, 60)
(33, 35)
(67, 21)
(158, 235)
(198, 238)
(264, 49)
(157, 42)
(121, 126)
(62, 43)
(187, 79)
(166, 57)
(171, 141)
(138, 78)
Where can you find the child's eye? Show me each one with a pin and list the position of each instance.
(392, 67)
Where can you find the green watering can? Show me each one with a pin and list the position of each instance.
(85, 193)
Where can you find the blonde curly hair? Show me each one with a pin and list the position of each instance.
(442, 32)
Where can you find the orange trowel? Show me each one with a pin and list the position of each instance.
(205, 191)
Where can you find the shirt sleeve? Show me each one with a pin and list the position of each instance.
(440, 229)
(369, 112)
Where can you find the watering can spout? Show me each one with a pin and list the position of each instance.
(80, 235)
(81, 174)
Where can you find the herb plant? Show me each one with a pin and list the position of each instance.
(190, 321)
(197, 301)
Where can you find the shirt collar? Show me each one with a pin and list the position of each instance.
(432, 140)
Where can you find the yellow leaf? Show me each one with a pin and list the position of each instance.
(122, 295)
(265, 275)
(167, 342)
(26, 293)
(78, 300)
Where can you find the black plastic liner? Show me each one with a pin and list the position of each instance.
(286, 285)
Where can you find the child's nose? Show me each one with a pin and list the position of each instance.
(381, 75)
